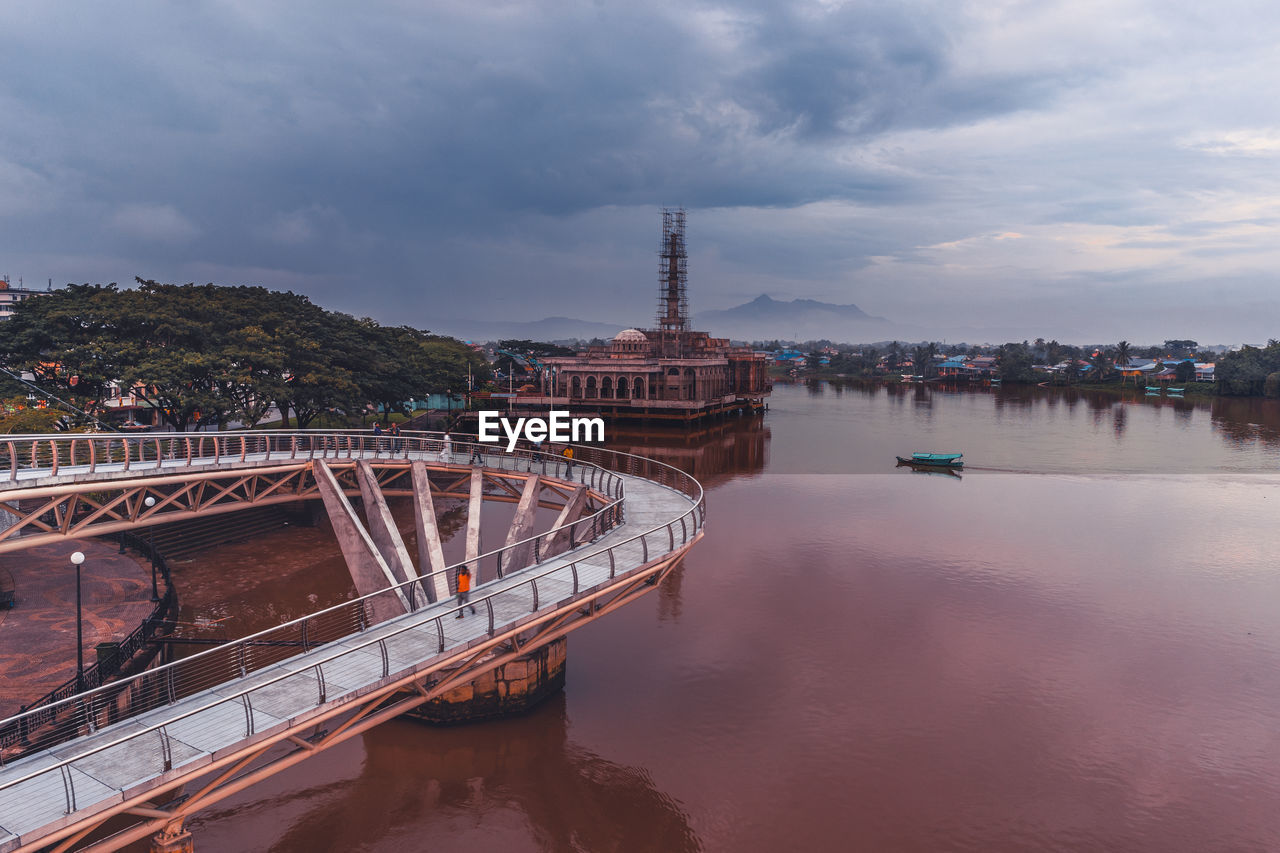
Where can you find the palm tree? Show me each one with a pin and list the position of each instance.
(1122, 359)
(1122, 353)
(919, 356)
(1101, 365)
(895, 356)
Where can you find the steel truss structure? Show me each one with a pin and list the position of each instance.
(238, 770)
(551, 599)
(43, 514)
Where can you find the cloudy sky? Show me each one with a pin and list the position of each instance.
(1088, 169)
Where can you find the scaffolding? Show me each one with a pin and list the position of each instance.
(673, 274)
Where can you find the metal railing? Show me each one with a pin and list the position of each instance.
(26, 457)
(163, 686)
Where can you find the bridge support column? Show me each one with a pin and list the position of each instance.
(368, 569)
(514, 688)
(522, 527)
(174, 838)
(430, 552)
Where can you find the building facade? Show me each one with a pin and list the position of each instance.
(666, 373)
(11, 296)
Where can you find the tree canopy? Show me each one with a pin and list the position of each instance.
(1245, 371)
(205, 354)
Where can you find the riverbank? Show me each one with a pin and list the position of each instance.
(39, 634)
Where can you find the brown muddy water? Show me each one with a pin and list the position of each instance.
(1074, 646)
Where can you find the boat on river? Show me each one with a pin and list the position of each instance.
(1176, 390)
(933, 460)
(1154, 389)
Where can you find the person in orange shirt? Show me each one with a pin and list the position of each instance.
(464, 590)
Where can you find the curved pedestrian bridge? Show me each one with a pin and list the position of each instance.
(151, 749)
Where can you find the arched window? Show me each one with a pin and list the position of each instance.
(639, 388)
(624, 389)
(592, 391)
(576, 388)
(606, 388)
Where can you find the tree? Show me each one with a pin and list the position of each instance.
(1122, 353)
(67, 340)
(206, 354)
(1014, 363)
(1185, 371)
(18, 416)
(1271, 386)
(1100, 366)
(1244, 372)
(894, 356)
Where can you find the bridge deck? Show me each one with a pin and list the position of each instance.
(200, 728)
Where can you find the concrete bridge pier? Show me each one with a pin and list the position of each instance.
(513, 688)
(174, 838)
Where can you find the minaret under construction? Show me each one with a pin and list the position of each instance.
(669, 373)
(673, 274)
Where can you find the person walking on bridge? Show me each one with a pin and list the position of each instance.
(464, 591)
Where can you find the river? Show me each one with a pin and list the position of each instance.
(1073, 646)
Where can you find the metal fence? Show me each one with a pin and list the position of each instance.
(85, 713)
(24, 457)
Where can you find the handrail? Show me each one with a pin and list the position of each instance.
(600, 521)
(696, 513)
(402, 446)
(165, 679)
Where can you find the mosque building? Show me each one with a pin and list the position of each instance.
(665, 373)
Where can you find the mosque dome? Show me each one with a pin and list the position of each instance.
(630, 336)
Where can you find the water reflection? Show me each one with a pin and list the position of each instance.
(1021, 429)
(712, 452)
(492, 786)
(1245, 420)
(1080, 660)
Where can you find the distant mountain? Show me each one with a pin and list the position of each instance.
(803, 319)
(546, 329)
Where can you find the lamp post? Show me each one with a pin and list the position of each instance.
(151, 544)
(76, 559)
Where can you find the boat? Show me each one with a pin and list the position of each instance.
(1176, 390)
(1154, 389)
(933, 460)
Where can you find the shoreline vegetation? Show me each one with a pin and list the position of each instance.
(1191, 389)
(1246, 372)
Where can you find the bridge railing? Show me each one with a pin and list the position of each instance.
(164, 686)
(75, 716)
(34, 456)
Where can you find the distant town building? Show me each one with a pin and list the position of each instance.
(666, 373)
(11, 296)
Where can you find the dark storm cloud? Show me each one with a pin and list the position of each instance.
(394, 155)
